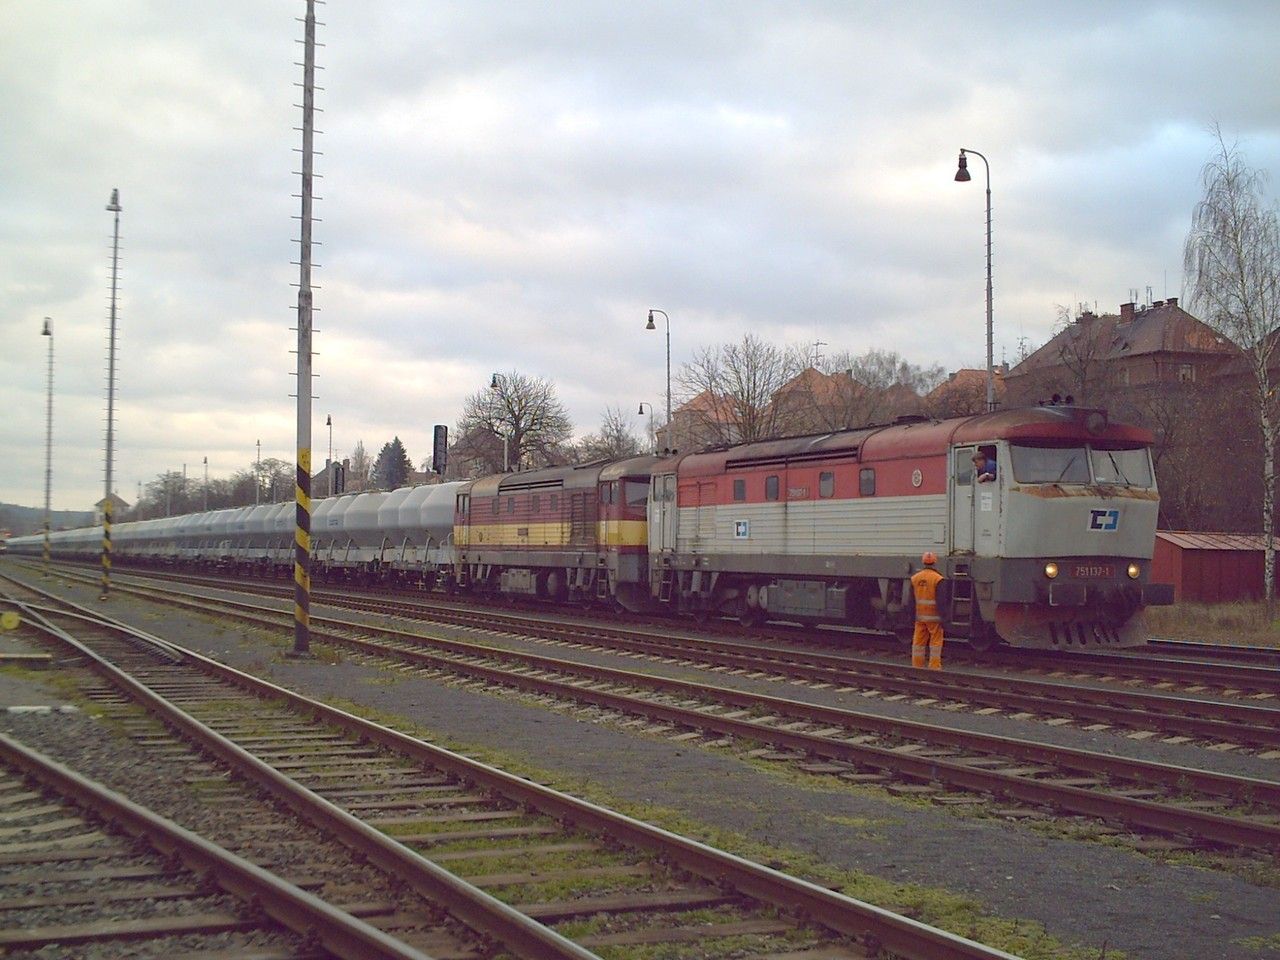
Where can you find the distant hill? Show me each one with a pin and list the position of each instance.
(20, 521)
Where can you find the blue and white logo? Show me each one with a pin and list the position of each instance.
(742, 529)
(1104, 520)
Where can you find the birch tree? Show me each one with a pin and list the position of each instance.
(1232, 264)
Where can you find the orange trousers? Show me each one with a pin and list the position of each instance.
(927, 634)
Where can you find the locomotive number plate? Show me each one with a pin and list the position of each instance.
(1093, 571)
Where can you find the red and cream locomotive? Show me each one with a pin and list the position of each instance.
(1052, 550)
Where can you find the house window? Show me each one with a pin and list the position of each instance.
(739, 490)
(826, 484)
(771, 487)
(1186, 373)
(867, 482)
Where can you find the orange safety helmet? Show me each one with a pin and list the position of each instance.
(929, 558)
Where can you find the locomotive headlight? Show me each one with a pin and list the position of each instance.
(1133, 571)
(1050, 569)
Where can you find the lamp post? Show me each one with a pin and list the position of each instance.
(651, 326)
(653, 436)
(496, 384)
(48, 442)
(257, 476)
(962, 176)
(206, 484)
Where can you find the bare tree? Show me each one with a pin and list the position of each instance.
(728, 392)
(521, 410)
(361, 465)
(858, 389)
(1232, 262)
(615, 441)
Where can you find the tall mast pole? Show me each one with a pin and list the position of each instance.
(48, 443)
(302, 492)
(114, 207)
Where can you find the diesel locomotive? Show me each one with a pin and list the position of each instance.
(1051, 548)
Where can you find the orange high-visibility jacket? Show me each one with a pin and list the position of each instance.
(925, 585)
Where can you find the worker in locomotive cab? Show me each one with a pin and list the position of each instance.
(984, 466)
(929, 587)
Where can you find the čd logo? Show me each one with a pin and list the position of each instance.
(1104, 519)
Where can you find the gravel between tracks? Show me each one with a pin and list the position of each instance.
(1087, 893)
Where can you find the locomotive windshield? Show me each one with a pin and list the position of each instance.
(1131, 468)
(1050, 464)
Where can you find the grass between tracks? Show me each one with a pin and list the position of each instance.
(1243, 623)
(935, 906)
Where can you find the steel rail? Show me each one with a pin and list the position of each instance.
(875, 927)
(1120, 665)
(1248, 723)
(1151, 815)
(1191, 716)
(304, 913)
(469, 904)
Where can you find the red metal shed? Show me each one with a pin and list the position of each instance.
(1209, 567)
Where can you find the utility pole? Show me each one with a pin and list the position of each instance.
(257, 476)
(48, 443)
(302, 491)
(113, 207)
(206, 484)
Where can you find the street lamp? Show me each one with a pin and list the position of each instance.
(650, 326)
(962, 176)
(640, 413)
(257, 476)
(496, 386)
(206, 484)
(48, 442)
(328, 422)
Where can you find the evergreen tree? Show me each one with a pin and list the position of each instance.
(392, 468)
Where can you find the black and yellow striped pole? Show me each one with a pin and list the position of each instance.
(106, 548)
(302, 488)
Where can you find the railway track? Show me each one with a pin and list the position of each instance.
(1191, 667)
(87, 865)
(509, 859)
(1059, 698)
(1197, 806)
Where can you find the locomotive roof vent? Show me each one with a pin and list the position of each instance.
(910, 418)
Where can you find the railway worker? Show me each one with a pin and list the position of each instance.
(984, 467)
(929, 587)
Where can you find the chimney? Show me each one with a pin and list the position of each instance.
(1126, 311)
(1172, 301)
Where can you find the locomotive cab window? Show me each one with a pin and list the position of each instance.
(636, 493)
(1130, 468)
(739, 489)
(826, 484)
(771, 487)
(1050, 464)
(867, 482)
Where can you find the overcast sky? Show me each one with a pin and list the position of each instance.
(512, 185)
